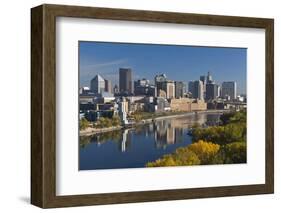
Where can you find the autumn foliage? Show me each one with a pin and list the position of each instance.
(225, 144)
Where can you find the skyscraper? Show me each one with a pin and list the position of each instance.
(209, 78)
(211, 91)
(199, 90)
(229, 89)
(125, 81)
(196, 88)
(179, 89)
(191, 87)
(160, 83)
(108, 87)
(218, 91)
(170, 89)
(142, 87)
(97, 84)
(163, 84)
(115, 89)
(203, 79)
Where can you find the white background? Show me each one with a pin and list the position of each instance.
(70, 181)
(15, 105)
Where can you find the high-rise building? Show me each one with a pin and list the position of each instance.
(209, 78)
(199, 90)
(203, 78)
(115, 89)
(229, 89)
(142, 87)
(218, 91)
(125, 81)
(163, 84)
(84, 90)
(212, 91)
(179, 89)
(196, 88)
(160, 78)
(142, 82)
(170, 89)
(97, 84)
(160, 83)
(107, 85)
(123, 110)
(191, 88)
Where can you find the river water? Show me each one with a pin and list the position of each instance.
(133, 148)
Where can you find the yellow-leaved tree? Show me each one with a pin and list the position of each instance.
(205, 151)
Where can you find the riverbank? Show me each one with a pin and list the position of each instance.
(91, 131)
(182, 115)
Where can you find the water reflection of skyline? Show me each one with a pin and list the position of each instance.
(163, 132)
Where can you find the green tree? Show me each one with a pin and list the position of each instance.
(116, 121)
(83, 124)
(234, 117)
(236, 152)
(234, 129)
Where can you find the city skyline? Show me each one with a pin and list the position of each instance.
(147, 60)
(150, 95)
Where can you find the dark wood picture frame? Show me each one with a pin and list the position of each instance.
(43, 105)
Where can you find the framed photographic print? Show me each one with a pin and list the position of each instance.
(136, 106)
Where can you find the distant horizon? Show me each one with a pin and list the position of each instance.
(178, 62)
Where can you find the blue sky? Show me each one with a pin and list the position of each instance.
(183, 63)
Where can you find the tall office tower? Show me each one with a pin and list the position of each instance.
(97, 84)
(179, 89)
(125, 81)
(191, 88)
(108, 87)
(198, 90)
(209, 78)
(218, 91)
(160, 83)
(203, 78)
(123, 110)
(229, 89)
(170, 89)
(211, 91)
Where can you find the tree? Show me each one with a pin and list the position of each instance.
(205, 151)
(236, 152)
(83, 124)
(185, 157)
(234, 129)
(116, 121)
(182, 157)
(234, 117)
(167, 160)
(234, 132)
(212, 145)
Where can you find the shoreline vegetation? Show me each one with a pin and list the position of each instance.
(107, 125)
(222, 144)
